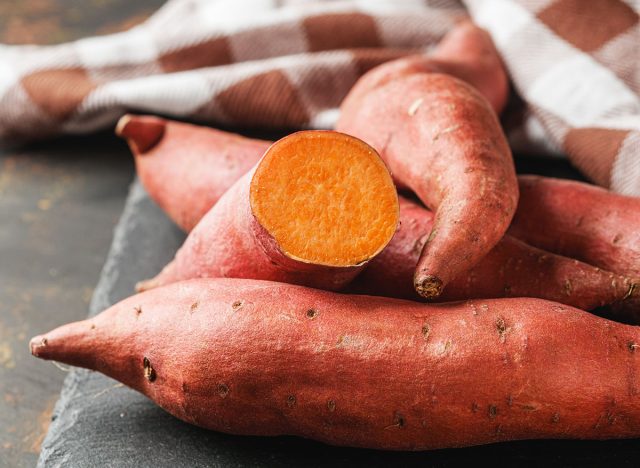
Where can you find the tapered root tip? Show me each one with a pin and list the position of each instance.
(428, 286)
(141, 132)
(37, 345)
(145, 285)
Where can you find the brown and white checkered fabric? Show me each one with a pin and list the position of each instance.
(576, 64)
(289, 63)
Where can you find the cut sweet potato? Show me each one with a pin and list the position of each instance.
(315, 209)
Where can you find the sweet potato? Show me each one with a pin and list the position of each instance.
(316, 208)
(172, 159)
(262, 358)
(581, 221)
(441, 139)
(512, 268)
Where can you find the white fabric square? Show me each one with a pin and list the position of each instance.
(502, 18)
(230, 16)
(625, 174)
(129, 47)
(579, 90)
(325, 120)
(173, 93)
(9, 73)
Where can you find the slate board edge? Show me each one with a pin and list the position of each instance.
(99, 301)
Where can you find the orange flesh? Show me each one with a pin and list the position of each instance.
(326, 198)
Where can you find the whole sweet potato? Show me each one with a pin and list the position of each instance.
(511, 269)
(441, 139)
(581, 221)
(261, 358)
(316, 208)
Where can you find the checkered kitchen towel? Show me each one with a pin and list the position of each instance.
(289, 63)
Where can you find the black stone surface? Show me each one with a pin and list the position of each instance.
(59, 203)
(99, 423)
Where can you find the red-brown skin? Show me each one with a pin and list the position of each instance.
(466, 52)
(511, 269)
(441, 139)
(230, 242)
(260, 358)
(186, 168)
(580, 221)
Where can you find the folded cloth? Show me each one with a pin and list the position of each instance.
(288, 64)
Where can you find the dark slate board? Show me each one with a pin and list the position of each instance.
(98, 423)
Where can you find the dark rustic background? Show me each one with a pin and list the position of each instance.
(59, 202)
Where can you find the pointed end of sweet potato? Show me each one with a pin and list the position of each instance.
(70, 344)
(147, 284)
(37, 345)
(141, 132)
(428, 286)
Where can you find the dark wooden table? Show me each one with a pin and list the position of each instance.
(59, 202)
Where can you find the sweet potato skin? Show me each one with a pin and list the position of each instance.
(581, 221)
(262, 358)
(441, 139)
(172, 165)
(511, 269)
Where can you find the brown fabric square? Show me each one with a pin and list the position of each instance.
(588, 24)
(268, 99)
(58, 92)
(366, 59)
(593, 151)
(341, 31)
(205, 54)
(20, 116)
